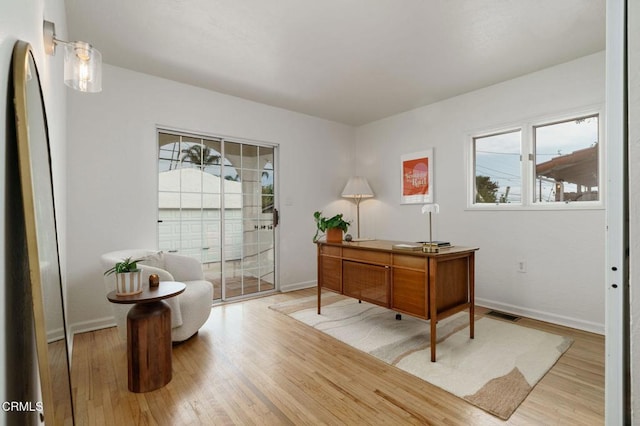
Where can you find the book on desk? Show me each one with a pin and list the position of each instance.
(440, 244)
(418, 245)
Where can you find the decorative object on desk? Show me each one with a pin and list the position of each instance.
(357, 188)
(348, 238)
(403, 246)
(154, 280)
(128, 280)
(513, 358)
(333, 227)
(439, 244)
(417, 177)
(430, 247)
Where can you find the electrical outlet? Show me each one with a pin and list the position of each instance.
(521, 266)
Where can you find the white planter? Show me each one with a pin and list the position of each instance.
(128, 283)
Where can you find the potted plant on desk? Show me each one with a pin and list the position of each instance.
(333, 227)
(128, 280)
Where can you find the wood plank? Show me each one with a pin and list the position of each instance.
(252, 365)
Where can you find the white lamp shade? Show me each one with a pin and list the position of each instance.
(82, 67)
(357, 187)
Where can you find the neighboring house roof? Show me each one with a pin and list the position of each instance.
(579, 167)
(191, 188)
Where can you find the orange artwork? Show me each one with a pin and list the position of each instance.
(415, 176)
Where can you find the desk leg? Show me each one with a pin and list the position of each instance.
(319, 276)
(149, 346)
(433, 310)
(472, 297)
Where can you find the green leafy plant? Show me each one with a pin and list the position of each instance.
(324, 223)
(127, 265)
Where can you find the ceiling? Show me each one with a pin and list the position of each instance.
(350, 61)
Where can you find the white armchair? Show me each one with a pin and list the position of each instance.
(189, 310)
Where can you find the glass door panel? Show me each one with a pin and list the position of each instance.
(168, 192)
(216, 204)
(212, 193)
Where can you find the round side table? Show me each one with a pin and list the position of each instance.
(149, 335)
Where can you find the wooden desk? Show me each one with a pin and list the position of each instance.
(430, 286)
(149, 335)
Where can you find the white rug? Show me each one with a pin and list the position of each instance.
(494, 371)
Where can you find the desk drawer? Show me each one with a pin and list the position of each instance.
(412, 262)
(366, 256)
(330, 250)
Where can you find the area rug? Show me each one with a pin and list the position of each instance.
(495, 371)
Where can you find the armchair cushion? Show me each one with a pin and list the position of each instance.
(182, 268)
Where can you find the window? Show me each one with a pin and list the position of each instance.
(555, 162)
(498, 173)
(567, 161)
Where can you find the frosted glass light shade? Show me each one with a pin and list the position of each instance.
(431, 208)
(357, 187)
(82, 67)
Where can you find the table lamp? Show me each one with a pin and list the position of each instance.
(430, 247)
(357, 188)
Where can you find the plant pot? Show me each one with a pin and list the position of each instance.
(334, 235)
(129, 283)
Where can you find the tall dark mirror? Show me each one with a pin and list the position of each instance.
(42, 242)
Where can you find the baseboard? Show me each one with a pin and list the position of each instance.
(578, 324)
(93, 325)
(297, 286)
(55, 335)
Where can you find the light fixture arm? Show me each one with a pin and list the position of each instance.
(50, 40)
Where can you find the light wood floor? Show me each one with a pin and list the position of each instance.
(252, 365)
(238, 286)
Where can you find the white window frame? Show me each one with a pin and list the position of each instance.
(528, 163)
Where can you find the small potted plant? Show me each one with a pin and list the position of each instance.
(332, 226)
(128, 280)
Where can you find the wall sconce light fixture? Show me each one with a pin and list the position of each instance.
(82, 62)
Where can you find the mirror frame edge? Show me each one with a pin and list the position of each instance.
(22, 52)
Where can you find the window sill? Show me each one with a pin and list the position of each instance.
(570, 206)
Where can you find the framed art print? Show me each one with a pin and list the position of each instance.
(417, 177)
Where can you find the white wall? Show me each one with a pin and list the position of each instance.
(112, 173)
(22, 20)
(563, 250)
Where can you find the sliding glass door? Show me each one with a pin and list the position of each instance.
(216, 204)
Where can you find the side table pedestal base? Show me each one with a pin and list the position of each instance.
(149, 346)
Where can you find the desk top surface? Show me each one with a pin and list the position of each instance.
(388, 246)
(165, 290)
